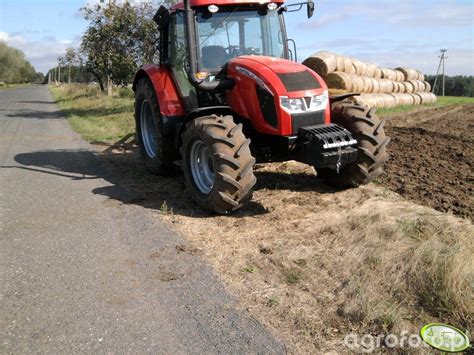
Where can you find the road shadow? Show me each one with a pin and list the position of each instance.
(35, 114)
(130, 182)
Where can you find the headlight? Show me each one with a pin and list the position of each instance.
(319, 102)
(293, 105)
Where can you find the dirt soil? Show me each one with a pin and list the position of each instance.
(432, 156)
(315, 264)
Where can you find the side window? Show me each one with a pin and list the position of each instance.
(253, 33)
(177, 41)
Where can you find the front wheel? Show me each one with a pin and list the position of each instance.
(217, 163)
(368, 130)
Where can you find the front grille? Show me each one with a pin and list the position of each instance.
(267, 106)
(305, 119)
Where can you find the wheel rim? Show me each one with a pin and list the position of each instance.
(202, 167)
(148, 129)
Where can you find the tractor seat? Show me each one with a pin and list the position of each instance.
(214, 57)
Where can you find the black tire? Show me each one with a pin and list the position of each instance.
(162, 162)
(368, 130)
(232, 163)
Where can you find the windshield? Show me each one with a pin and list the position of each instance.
(228, 34)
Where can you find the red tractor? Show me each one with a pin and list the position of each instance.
(228, 88)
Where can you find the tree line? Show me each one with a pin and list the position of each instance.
(14, 68)
(458, 85)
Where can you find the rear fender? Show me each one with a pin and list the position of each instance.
(165, 89)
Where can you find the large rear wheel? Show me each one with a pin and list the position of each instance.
(368, 130)
(155, 147)
(217, 163)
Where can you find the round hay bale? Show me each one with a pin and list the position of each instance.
(389, 100)
(395, 99)
(405, 99)
(409, 74)
(370, 71)
(400, 75)
(378, 73)
(408, 87)
(348, 67)
(360, 83)
(368, 85)
(401, 86)
(322, 63)
(380, 101)
(427, 97)
(420, 76)
(417, 85)
(375, 85)
(359, 66)
(340, 63)
(389, 74)
(427, 86)
(385, 85)
(339, 80)
(416, 99)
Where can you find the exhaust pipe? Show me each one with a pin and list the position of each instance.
(216, 85)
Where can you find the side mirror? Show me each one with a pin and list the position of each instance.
(161, 17)
(310, 8)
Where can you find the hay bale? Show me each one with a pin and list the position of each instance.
(360, 83)
(427, 86)
(370, 71)
(389, 100)
(322, 63)
(368, 85)
(395, 98)
(426, 97)
(359, 67)
(389, 74)
(401, 87)
(409, 74)
(386, 85)
(378, 73)
(408, 87)
(420, 76)
(400, 75)
(339, 80)
(416, 99)
(375, 85)
(348, 66)
(417, 85)
(404, 99)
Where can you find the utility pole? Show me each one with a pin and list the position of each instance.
(442, 58)
(59, 72)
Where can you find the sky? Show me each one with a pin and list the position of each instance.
(389, 33)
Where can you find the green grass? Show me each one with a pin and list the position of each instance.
(95, 116)
(442, 101)
(13, 86)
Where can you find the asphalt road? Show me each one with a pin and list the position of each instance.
(81, 272)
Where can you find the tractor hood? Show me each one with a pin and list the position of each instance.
(265, 85)
(282, 77)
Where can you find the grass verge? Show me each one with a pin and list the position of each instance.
(96, 117)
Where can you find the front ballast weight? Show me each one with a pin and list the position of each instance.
(327, 146)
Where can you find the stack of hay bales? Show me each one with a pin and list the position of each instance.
(379, 87)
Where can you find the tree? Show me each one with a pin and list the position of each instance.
(14, 68)
(120, 38)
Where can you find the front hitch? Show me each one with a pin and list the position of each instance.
(326, 146)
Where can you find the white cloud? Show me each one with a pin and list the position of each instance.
(42, 53)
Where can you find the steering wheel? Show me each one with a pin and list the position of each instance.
(235, 51)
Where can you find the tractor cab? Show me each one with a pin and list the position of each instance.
(198, 43)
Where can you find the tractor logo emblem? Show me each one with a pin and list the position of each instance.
(251, 75)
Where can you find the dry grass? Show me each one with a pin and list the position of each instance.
(327, 264)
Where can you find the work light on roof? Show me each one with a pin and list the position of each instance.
(213, 8)
(272, 6)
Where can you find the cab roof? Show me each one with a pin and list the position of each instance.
(200, 3)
